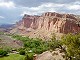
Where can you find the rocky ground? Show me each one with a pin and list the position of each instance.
(7, 41)
(55, 55)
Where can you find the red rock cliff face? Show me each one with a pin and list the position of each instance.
(50, 22)
(29, 21)
(61, 23)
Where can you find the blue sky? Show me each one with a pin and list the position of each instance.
(13, 10)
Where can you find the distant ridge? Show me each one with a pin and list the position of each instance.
(6, 26)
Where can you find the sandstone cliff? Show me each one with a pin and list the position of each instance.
(47, 23)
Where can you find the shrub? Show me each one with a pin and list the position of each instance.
(29, 56)
(22, 52)
(7, 49)
(1, 33)
(3, 53)
(37, 45)
(0, 38)
(72, 43)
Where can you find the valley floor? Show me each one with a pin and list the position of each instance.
(13, 57)
(7, 41)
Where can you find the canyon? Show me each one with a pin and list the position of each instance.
(45, 25)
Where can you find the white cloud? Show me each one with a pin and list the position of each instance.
(52, 7)
(74, 7)
(8, 4)
(2, 17)
(77, 3)
(24, 13)
(47, 7)
(13, 12)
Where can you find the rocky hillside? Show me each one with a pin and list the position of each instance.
(47, 23)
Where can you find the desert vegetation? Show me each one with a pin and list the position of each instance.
(1, 33)
(3, 52)
(36, 45)
(69, 44)
(72, 46)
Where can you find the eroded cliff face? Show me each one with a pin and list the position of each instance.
(48, 23)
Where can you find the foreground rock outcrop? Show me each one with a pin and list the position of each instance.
(54, 55)
(47, 23)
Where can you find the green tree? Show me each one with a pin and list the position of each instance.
(72, 43)
(3, 53)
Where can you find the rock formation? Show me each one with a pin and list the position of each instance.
(47, 23)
